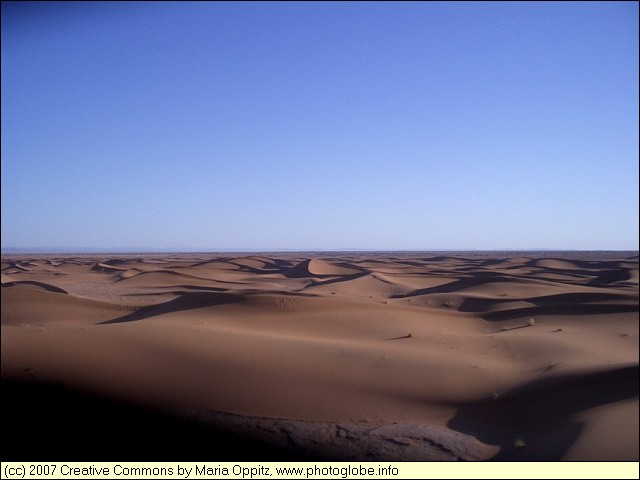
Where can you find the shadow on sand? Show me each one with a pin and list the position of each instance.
(46, 422)
(540, 413)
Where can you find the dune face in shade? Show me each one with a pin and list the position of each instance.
(342, 356)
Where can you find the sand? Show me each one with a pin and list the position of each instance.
(340, 356)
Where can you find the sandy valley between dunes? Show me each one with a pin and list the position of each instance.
(347, 356)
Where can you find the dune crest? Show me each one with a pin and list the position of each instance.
(318, 268)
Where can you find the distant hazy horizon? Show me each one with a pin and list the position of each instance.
(153, 251)
(294, 126)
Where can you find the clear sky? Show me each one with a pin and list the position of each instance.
(390, 126)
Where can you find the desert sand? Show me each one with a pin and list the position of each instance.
(331, 356)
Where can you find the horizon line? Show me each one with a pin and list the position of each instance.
(134, 250)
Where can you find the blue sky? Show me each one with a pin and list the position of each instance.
(387, 126)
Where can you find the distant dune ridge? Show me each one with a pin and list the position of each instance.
(342, 356)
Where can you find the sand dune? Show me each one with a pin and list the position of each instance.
(373, 356)
(37, 304)
(555, 264)
(318, 268)
(44, 286)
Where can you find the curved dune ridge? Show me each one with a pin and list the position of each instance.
(45, 286)
(255, 264)
(107, 267)
(555, 264)
(156, 277)
(318, 268)
(36, 303)
(341, 356)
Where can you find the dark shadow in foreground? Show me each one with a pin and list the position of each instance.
(55, 423)
(535, 422)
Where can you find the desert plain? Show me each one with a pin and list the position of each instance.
(383, 356)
